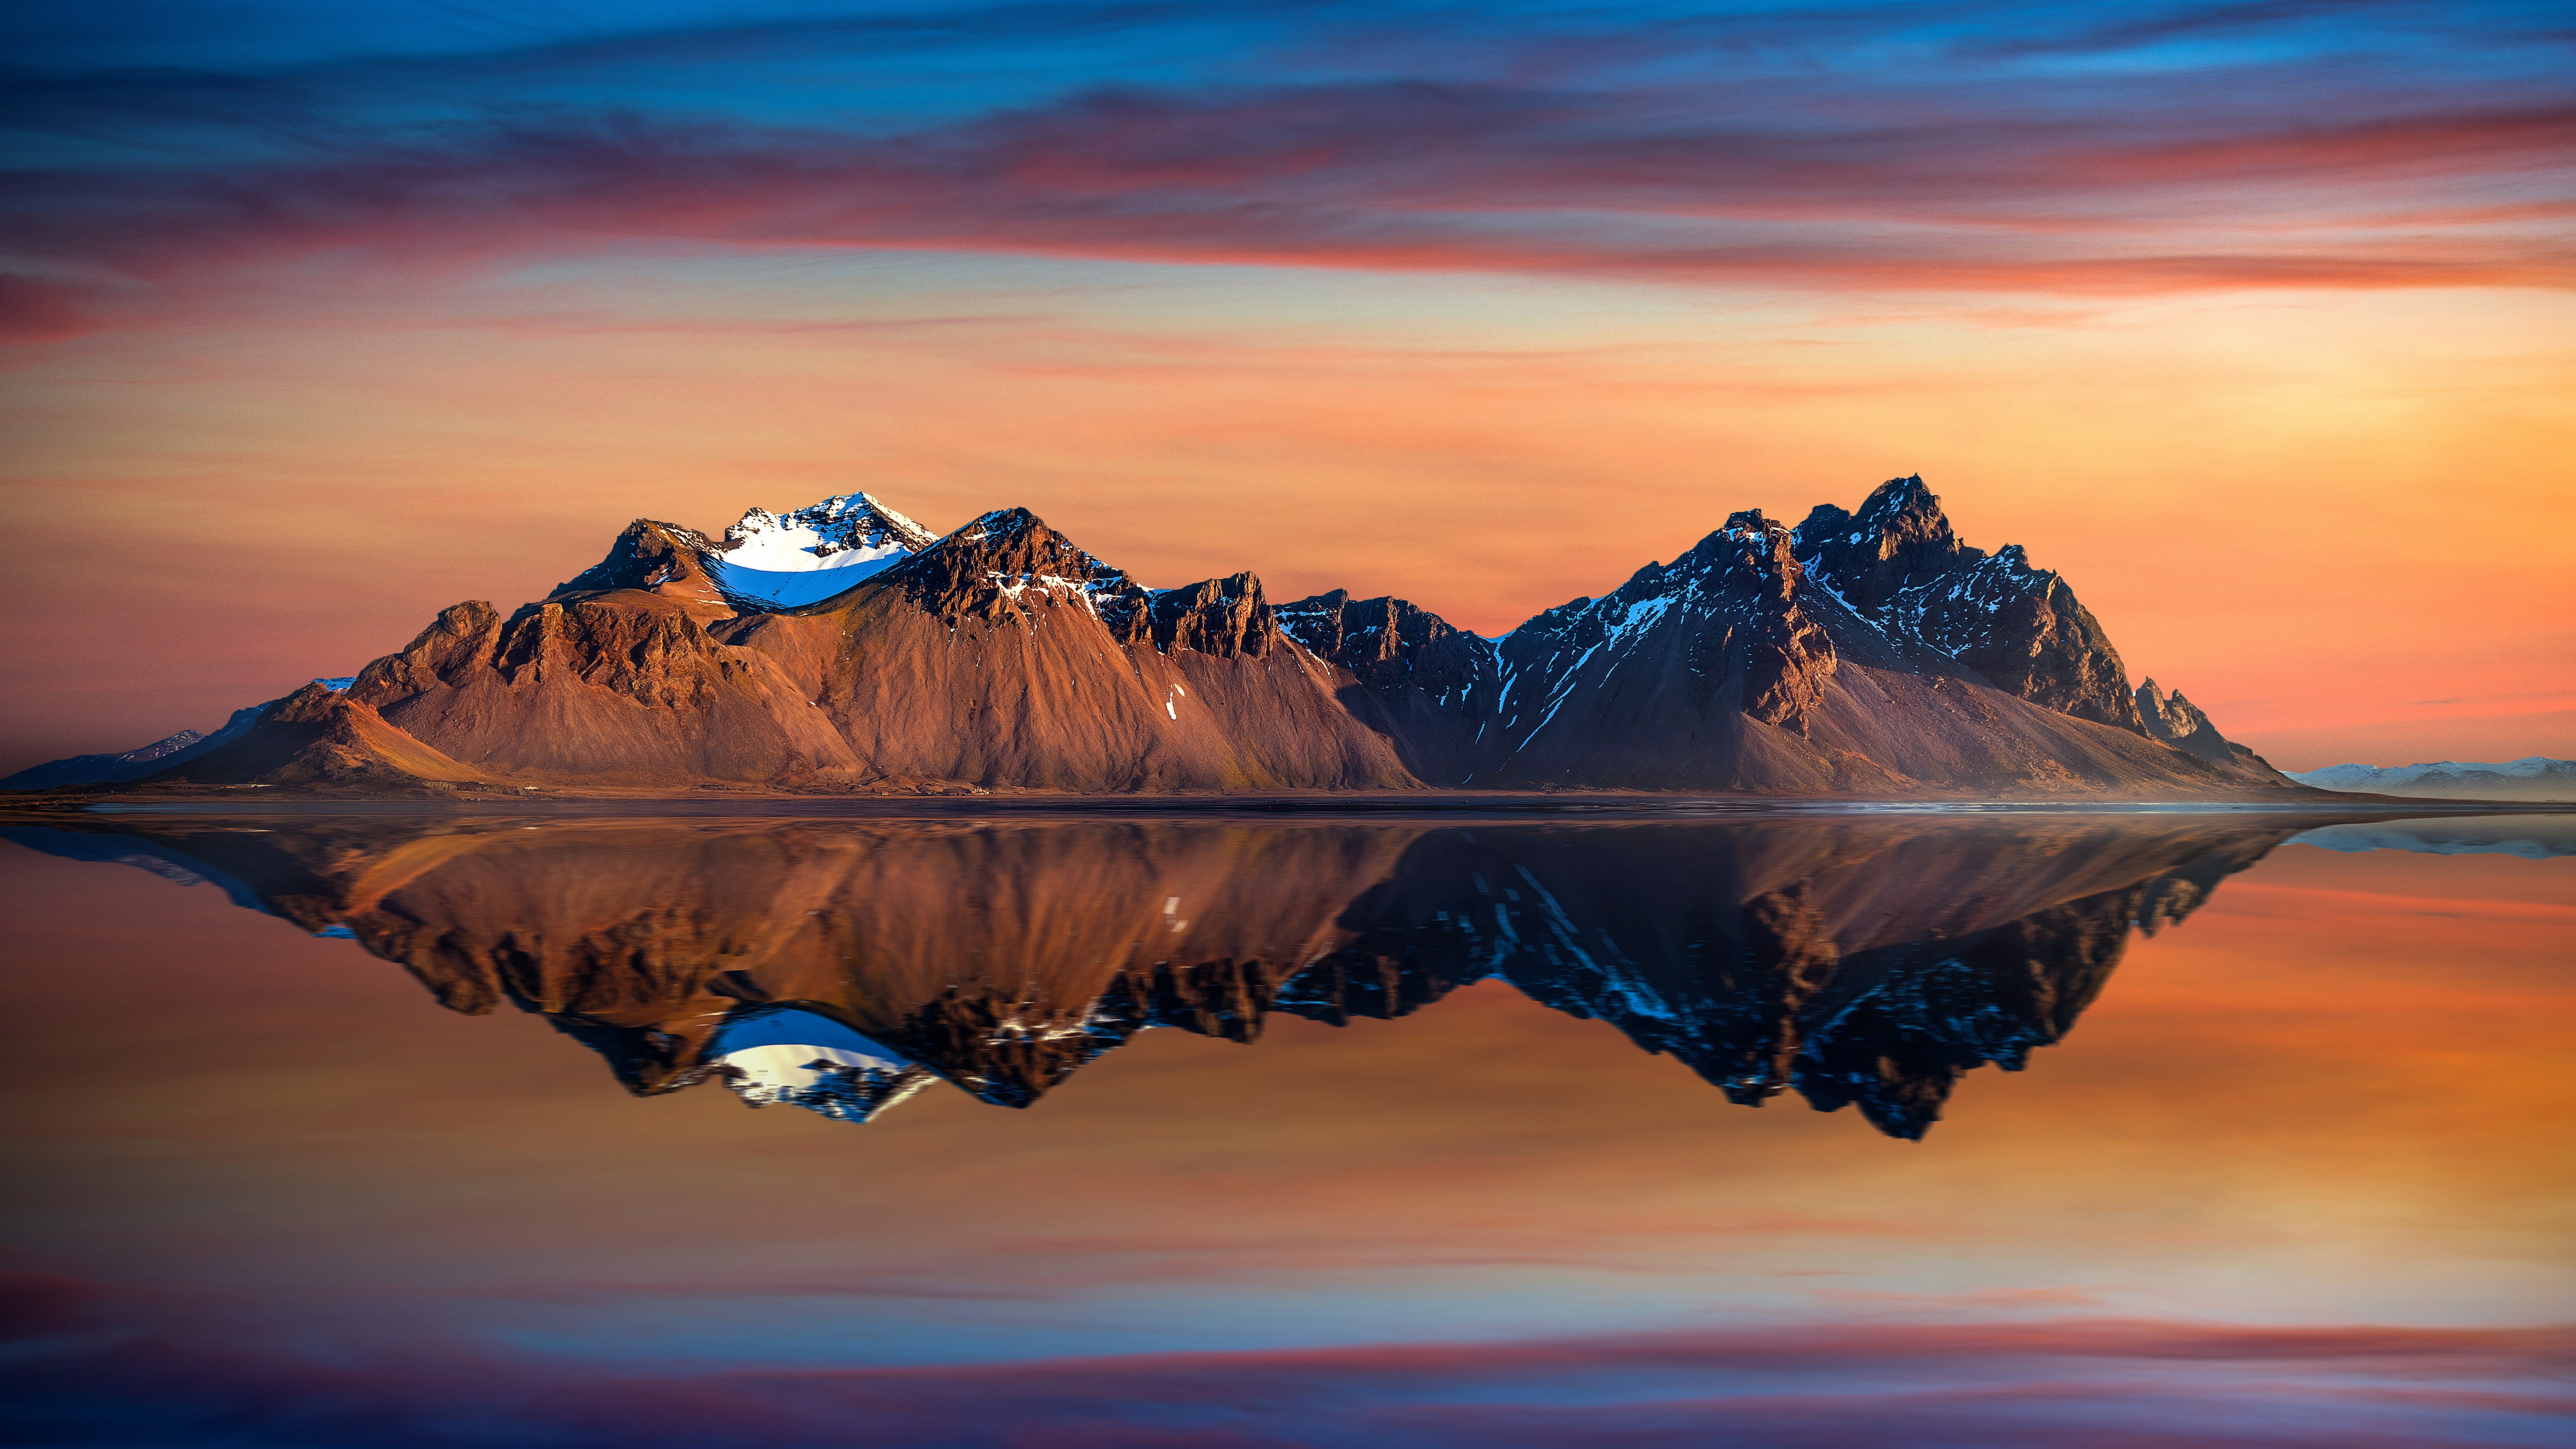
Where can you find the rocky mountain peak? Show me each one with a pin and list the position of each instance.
(1898, 565)
(652, 557)
(1906, 506)
(2176, 721)
(1762, 546)
(988, 568)
(839, 524)
(1900, 538)
(765, 563)
(771, 561)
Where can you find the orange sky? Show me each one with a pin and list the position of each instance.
(2256, 322)
(2342, 522)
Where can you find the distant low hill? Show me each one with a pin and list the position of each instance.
(2533, 777)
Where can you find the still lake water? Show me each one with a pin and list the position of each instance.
(2072, 1130)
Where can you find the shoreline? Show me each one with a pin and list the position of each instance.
(1386, 805)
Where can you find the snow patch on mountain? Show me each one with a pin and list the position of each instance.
(809, 554)
(805, 1059)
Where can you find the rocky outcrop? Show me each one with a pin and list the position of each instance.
(1226, 617)
(1001, 567)
(2178, 722)
(1666, 676)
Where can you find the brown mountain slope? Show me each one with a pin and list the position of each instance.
(320, 738)
(1002, 655)
(625, 687)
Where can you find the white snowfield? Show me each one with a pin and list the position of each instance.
(808, 554)
(2381, 777)
(805, 1059)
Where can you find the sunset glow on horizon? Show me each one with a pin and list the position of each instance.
(2255, 321)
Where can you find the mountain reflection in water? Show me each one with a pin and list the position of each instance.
(843, 965)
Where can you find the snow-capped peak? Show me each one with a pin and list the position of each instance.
(805, 1059)
(809, 554)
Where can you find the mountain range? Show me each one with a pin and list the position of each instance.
(843, 648)
(2533, 777)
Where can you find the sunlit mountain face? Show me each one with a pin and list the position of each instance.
(1195, 1126)
(842, 966)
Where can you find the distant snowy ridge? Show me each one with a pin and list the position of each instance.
(806, 555)
(2436, 773)
(2533, 837)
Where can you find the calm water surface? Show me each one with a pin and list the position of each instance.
(1905, 1130)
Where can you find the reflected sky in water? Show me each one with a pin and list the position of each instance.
(1290, 1131)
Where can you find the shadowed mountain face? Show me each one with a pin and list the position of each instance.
(1860, 654)
(841, 965)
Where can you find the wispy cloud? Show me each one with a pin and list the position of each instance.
(1393, 177)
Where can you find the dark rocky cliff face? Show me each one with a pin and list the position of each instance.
(1677, 652)
(1899, 540)
(1867, 653)
(1227, 617)
(1392, 645)
(1898, 565)
(1429, 687)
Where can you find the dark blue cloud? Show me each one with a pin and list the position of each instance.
(2103, 1384)
(1981, 146)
